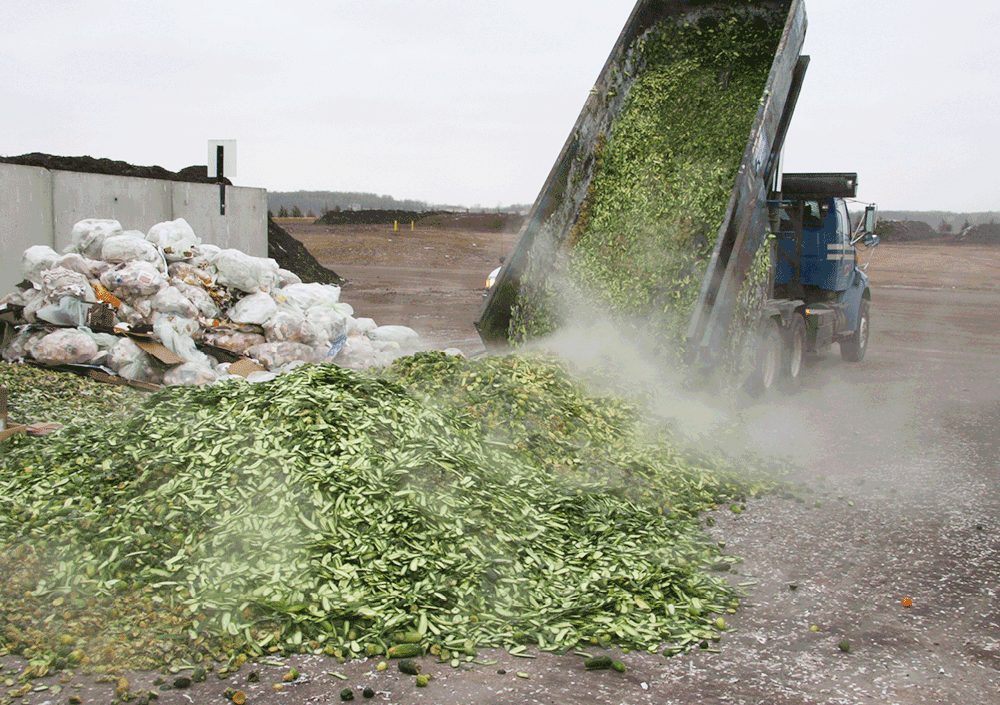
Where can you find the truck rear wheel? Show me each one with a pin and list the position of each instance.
(853, 349)
(794, 358)
(767, 367)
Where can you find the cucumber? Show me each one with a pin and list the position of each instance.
(597, 663)
(409, 667)
(405, 651)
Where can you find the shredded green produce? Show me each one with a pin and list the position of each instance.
(37, 395)
(662, 178)
(452, 503)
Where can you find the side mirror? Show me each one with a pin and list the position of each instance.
(870, 240)
(871, 218)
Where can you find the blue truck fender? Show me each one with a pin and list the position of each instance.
(852, 297)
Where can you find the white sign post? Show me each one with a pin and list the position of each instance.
(222, 163)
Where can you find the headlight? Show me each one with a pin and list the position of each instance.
(490, 281)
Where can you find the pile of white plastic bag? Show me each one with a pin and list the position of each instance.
(188, 292)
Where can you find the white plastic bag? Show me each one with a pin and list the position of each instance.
(360, 326)
(88, 236)
(287, 278)
(18, 297)
(124, 353)
(131, 246)
(241, 271)
(302, 297)
(189, 374)
(190, 274)
(199, 297)
(67, 346)
(407, 338)
(357, 353)
(36, 260)
(229, 339)
(328, 324)
(274, 355)
(68, 311)
(171, 300)
(175, 238)
(20, 345)
(143, 306)
(59, 282)
(176, 335)
(288, 325)
(137, 278)
(75, 262)
(204, 255)
(255, 309)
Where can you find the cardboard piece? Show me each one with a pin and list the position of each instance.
(102, 319)
(11, 430)
(244, 367)
(11, 315)
(42, 428)
(158, 350)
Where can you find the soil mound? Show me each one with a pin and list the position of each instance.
(369, 217)
(982, 234)
(91, 165)
(479, 222)
(293, 256)
(905, 231)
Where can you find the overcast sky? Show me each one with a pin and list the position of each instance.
(469, 102)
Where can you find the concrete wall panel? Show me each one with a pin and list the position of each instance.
(25, 217)
(242, 225)
(40, 207)
(138, 204)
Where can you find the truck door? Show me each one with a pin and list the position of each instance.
(839, 249)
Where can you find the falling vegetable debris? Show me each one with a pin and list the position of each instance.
(662, 174)
(446, 505)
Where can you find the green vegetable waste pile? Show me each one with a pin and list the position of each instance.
(449, 502)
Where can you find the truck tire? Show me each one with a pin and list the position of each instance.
(793, 361)
(767, 366)
(853, 348)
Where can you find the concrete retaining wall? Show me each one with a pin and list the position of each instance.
(40, 207)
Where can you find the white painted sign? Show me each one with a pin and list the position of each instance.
(228, 158)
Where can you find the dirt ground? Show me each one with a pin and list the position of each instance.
(900, 454)
(430, 279)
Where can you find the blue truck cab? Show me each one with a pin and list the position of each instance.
(821, 295)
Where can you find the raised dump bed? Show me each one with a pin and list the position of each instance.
(656, 206)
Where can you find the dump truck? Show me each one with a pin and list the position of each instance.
(668, 201)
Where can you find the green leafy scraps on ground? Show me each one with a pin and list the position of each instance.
(37, 395)
(329, 510)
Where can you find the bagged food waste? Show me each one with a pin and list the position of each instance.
(87, 237)
(66, 346)
(191, 295)
(175, 238)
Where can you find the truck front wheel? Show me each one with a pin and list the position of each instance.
(853, 349)
(767, 367)
(794, 359)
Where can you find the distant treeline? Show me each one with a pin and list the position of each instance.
(440, 220)
(316, 204)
